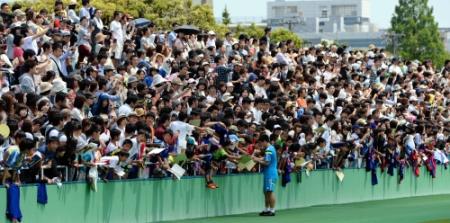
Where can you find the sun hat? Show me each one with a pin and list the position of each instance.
(158, 79)
(45, 87)
(59, 86)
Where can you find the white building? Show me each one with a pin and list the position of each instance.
(321, 16)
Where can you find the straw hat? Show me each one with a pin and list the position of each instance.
(177, 81)
(44, 87)
(140, 112)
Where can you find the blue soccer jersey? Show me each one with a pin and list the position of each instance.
(270, 171)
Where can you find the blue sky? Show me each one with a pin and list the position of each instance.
(381, 10)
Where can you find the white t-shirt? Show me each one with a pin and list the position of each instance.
(84, 12)
(111, 161)
(111, 147)
(117, 31)
(396, 69)
(260, 91)
(210, 99)
(327, 76)
(211, 42)
(257, 114)
(30, 44)
(183, 129)
(282, 59)
(149, 41)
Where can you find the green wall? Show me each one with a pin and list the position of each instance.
(153, 201)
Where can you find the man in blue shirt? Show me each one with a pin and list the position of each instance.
(269, 161)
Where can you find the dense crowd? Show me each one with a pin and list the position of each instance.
(82, 98)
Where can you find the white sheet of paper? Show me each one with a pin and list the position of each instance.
(156, 151)
(119, 171)
(177, 170)
(93, 173)
(304, 164)
(101, 164)
(340, 175)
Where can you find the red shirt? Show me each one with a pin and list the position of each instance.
(17, 52)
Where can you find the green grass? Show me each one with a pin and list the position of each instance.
(427, 209)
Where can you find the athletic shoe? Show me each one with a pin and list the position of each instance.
(264, 213)
(271, 214)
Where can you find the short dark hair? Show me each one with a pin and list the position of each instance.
(79, 101)
(83, 18)
(114, 133)
(131, 99)
(116, 13)
(17, 40)
(56, 118)
(127, 141)
(60, 96)
(264, 138)
(27, 54)
(3, 5)
(58, 2)
(26, 144)
(320, 140)
(57, 45)
(28, 65)
(217, 59)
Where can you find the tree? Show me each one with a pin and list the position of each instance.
(135, 8)
(202, 16)
(162, 12)
(251, 31)
(282, 34)
(416, 33)
(226, 20)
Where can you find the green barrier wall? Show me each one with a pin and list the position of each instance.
(157, 200)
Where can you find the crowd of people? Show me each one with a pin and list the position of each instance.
(122, 101)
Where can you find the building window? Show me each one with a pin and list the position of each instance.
(321, 23)
(292, 9)
(324, 12)
(344, 10)
(278, 11)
